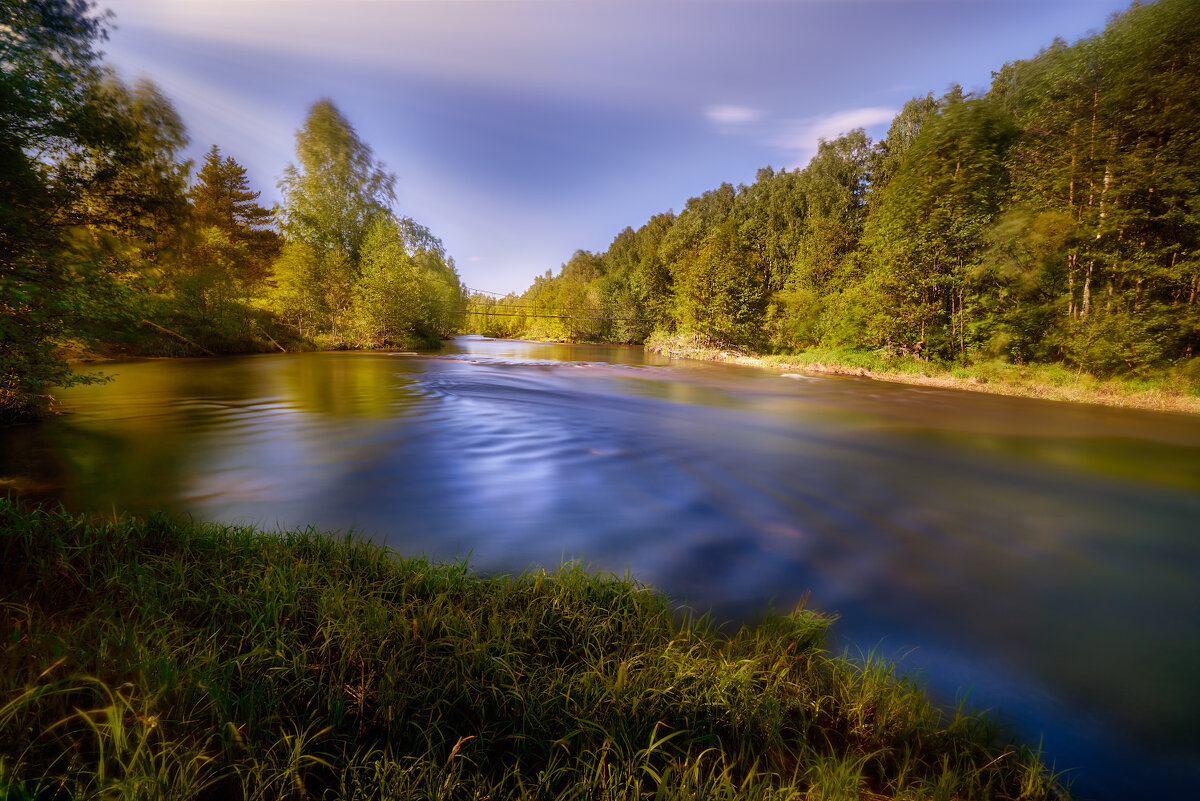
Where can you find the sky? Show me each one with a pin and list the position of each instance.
(520, 131)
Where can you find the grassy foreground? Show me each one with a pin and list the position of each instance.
(164, 659)
(1177, 390)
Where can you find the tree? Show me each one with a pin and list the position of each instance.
(718, 297)
(221, 198)
(47, 115)
(138, 189)
(333, 197)
(136, 193)
(927, 234)
(387, 296)
(1110, 145)
(889, 154)
(330, 203)
(830, 198)
(350, 268)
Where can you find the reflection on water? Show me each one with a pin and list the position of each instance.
(1041, 555)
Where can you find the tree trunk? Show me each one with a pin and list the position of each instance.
(1108, 179)
(1074, 157)
(1072, 265)
(962, 324)
(1087, 290)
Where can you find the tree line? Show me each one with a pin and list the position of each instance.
(108, 240)
(1053, 218)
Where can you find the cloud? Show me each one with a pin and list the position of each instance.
(801, 138)
(615, 53)
(562, 47)
(732, 115)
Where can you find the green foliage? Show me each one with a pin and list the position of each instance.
(717, 296)
(1053, 219)
(47, 89)
(102, 244)
(407, 286)
(350, 270)
(164, 659)
(98, 246)
(338, 190)
(889, 157)
(137, 190)
(927, 231)
(222, 199)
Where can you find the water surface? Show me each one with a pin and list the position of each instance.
(1041, 556)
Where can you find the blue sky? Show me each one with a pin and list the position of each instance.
(522, 130)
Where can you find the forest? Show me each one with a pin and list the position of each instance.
(111, 245)
(1053, 218)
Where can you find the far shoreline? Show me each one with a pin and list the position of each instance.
(1024, 381)
(1045, 382)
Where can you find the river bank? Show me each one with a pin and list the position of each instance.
(1177, 393)
(191, 660)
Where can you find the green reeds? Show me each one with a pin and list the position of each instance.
(165, 659)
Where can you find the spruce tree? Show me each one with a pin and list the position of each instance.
(221, 198)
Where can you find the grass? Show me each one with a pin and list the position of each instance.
(167, 659)
(1166, 390)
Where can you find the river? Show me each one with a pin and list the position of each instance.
(1042, 558)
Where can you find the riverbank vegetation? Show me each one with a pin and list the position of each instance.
(110, 245)
(158, 658)
(1050, 220)
(1170, 390)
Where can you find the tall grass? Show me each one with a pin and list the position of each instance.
(163, 659)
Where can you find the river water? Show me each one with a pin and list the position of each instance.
(1041, 558)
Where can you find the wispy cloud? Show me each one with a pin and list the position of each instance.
(797, 138)
(561, 47)
(801, 138)
(724, 115)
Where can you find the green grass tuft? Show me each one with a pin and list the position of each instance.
(166, 659)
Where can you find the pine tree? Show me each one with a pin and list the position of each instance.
(221, 198)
